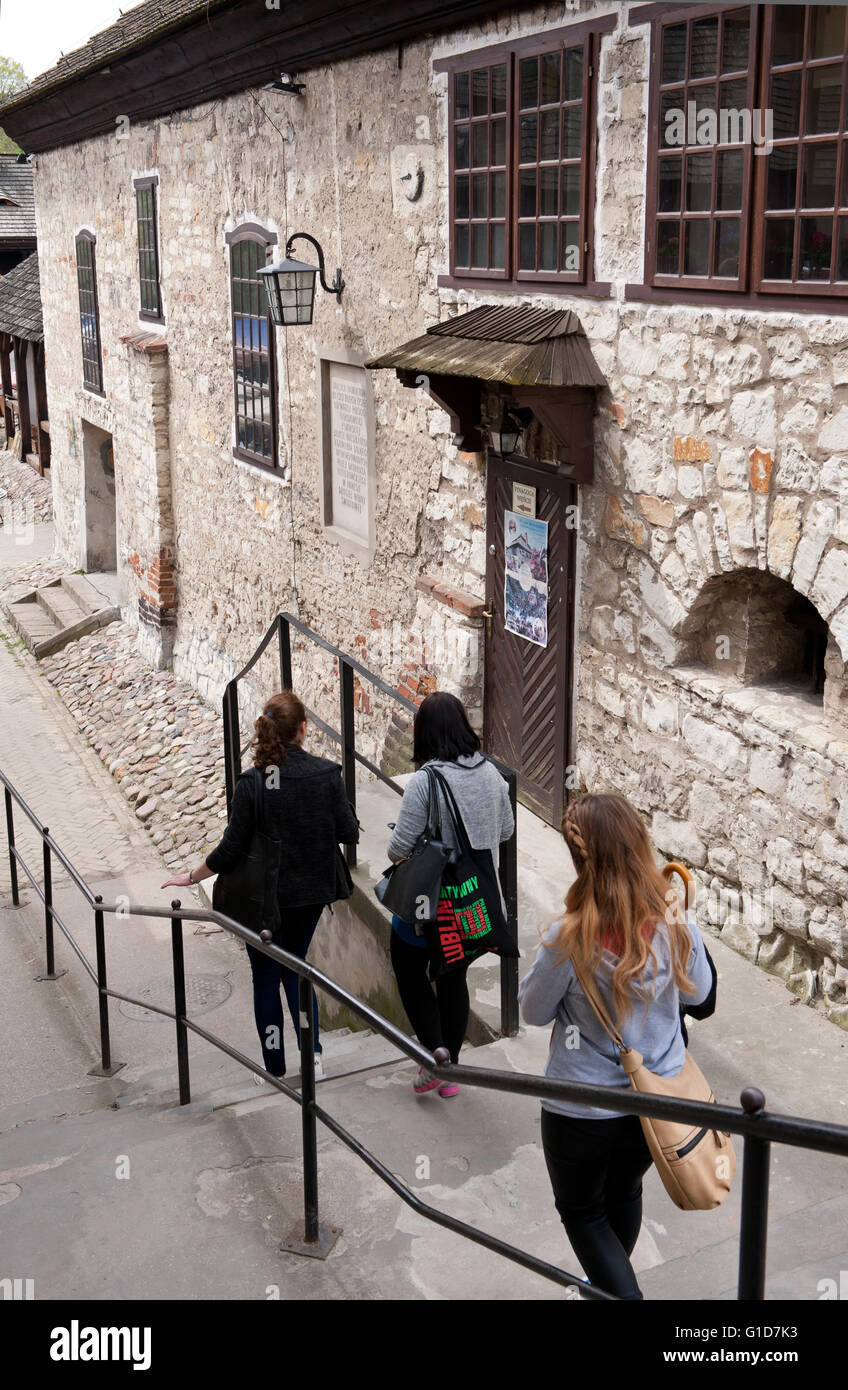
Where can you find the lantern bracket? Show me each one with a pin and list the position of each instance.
(338, 284)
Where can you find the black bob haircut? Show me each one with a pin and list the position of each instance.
(441, 730)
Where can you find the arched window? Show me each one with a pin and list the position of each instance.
(92, 361)
(254, 376)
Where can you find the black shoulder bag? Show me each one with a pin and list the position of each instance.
(411, 887)
(470, 919)
(248, 893)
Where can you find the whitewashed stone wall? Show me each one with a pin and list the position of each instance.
(721, 445)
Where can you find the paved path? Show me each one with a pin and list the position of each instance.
(212, 1190)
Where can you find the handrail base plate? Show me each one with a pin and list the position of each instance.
(316, 1250)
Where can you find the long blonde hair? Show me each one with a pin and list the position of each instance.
(617, 897)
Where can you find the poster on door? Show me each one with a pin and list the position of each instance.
(526, 578)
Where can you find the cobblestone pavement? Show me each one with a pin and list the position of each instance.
(60, 778)
(159, 740)
(24, 494)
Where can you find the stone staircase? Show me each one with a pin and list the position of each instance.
(50, 617)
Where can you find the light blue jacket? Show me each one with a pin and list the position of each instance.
(580, 1048)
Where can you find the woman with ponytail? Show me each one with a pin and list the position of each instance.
(305, 807)
(625, 930)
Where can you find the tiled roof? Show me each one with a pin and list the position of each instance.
(20, 301)
(133, 30)
(17, 204)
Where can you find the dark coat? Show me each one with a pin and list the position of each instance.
(308, 811)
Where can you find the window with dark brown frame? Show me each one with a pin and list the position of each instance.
(92, 362)
(254, 376)
(748, 164)
(803, 244)
(148, 249)
(521, 151)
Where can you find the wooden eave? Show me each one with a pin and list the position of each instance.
(229, 47)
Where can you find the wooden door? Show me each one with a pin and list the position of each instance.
(527, 718)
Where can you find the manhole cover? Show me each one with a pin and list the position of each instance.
(203, 992)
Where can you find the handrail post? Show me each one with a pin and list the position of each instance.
(348, 741)
(284, 637)
(50, 972)
(180, 1006)
(10, 836)
(106, 1068)
(309, 1238)
(509, 880)
(307, 1091)
(232, 741)
(753, 1230)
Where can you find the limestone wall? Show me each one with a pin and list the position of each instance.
(721, 446)
(245, 544)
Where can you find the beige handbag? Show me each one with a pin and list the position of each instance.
(696, 1165)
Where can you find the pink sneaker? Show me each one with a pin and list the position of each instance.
(448, 1088)
(424, 1082)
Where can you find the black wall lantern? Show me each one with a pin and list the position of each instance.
(504, 435)
(290, 285)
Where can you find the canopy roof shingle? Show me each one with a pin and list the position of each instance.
(17, 201)
(513, 344)
(20, 302)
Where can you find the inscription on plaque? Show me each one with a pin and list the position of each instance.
(349, 460)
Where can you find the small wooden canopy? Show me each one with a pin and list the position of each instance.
(515, 345)
(534, 358)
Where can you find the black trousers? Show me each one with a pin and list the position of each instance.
(596, 1169)
(439, 1019)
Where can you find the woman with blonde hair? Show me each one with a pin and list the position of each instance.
(305, 807)
(624, 930)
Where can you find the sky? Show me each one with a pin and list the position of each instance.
(36, 32)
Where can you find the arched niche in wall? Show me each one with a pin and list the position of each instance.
(750, 625)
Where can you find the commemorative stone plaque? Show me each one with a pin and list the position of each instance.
(349, 456)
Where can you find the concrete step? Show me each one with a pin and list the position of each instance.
(60, 605)
(86, 594)
(50, 617)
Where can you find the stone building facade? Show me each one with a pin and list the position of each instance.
(707, 672)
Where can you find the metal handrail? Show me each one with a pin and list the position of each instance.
(757, 1128)
(346, 738)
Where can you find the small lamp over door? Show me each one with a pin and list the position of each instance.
(504, 435)
(290, 285)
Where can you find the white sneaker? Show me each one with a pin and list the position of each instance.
(319, 1067)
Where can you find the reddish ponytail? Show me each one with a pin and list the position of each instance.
(276, 728)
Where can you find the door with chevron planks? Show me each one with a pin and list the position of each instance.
(528, 684)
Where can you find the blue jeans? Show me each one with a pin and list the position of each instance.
(295, 932)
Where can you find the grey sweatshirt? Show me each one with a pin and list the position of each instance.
(580, 1049)
(481, 795)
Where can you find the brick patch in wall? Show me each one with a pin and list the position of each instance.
(415, 684)
(157, 598)
(457, 599)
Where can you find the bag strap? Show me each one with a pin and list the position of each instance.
(258, 798)
(433, 828)
(453, 809)
(597, 1004)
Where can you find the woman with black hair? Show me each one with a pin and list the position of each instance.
(443, 738)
